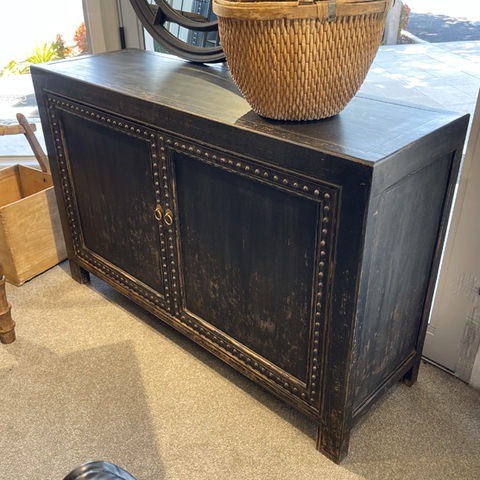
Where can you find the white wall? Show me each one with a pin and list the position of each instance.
(102, 25)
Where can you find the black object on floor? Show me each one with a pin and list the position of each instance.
(98, 471)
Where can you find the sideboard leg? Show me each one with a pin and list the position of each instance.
(78, 273)
(333, 445)
(411, 376)
(7, 325)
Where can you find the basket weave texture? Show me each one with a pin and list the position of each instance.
(300, 69)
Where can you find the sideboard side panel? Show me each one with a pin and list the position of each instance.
(401, 243)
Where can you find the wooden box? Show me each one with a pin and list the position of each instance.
(31, 238)
(304, 255)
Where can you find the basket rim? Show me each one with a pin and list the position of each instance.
(308, 2)
(323, 10)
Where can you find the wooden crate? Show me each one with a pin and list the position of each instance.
(31, 237)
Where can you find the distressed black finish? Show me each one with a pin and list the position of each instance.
(118, 195)
(265, 269)
(302, 254)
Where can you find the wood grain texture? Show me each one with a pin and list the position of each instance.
(120, 197)
(33, 181)
(401, 262)
(248, 253)
(208, 93)
(33, 142)
(7, 325)
(304, 255)
(15, 129)
(10, 185)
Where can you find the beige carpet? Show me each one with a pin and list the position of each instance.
(94, 377)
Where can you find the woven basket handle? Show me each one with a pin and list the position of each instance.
(332, 8)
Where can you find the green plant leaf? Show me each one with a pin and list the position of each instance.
(43, 54)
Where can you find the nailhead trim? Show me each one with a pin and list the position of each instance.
(307, 188)
(154, 300)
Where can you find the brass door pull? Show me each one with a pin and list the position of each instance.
(158, 213)
(168, 217)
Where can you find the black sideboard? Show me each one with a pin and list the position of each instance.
(304, 255)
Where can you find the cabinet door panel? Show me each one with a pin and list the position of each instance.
(248, 253)
(113, 218)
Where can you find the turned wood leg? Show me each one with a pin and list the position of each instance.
(78, 273)
(411, 376)
(7, 325)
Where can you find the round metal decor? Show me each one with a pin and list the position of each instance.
(186, 28)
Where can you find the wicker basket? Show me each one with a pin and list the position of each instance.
(300, 60)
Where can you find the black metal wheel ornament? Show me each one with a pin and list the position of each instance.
(160, 18)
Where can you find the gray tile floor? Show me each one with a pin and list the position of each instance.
(442, 75)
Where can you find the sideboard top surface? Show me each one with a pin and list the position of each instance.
(368, 130)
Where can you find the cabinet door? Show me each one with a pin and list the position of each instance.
(254, 250)
(110, 180)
